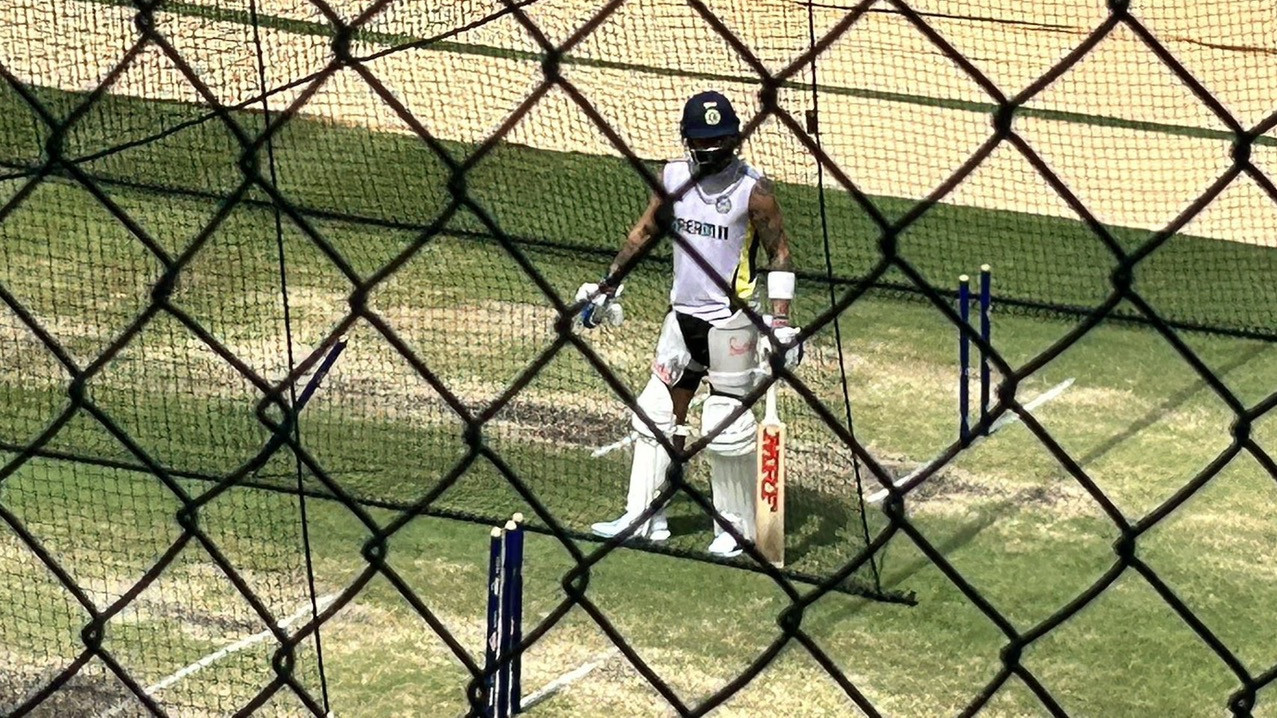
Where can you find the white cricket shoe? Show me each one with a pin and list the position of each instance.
(724, 546)
(657, 527)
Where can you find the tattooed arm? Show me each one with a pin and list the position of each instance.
(643, 231)
(601, 299)
(764, 214)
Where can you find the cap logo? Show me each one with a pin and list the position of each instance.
(712, 115)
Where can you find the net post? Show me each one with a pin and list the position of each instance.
(492, 637)
(964, 358)
(986, 334)
(514, 614)
(505, 612)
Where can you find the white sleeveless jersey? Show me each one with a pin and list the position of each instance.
(717, 226)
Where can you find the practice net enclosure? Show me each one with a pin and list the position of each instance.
(198, 200)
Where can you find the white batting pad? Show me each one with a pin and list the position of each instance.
(647, 473)
(732, 480)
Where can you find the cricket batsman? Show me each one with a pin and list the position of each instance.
(724, 218)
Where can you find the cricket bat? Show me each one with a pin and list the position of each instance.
(770, 490)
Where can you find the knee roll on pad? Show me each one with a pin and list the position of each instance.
(672, 355)
(654, 401)
(738, 437)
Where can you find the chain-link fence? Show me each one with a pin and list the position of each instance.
(201, 200)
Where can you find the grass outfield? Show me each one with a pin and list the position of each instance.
(587, 202)
(1016, 529)
(1005, 514)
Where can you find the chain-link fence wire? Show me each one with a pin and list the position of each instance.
(83, 399)
(176, 155)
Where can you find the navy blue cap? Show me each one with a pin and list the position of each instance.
(709, 114)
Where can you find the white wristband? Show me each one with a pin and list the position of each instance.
(780, 285)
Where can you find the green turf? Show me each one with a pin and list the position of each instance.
(587, 202)
(1006, 514)
(928, 659)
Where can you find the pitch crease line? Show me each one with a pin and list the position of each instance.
(1007, 420)
(223, 652)
(550, 689)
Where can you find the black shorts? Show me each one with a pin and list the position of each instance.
(696, 338)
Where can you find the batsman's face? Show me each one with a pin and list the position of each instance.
(711, 154)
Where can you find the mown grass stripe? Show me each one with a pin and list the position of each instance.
(576, 202)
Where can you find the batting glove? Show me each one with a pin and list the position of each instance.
(602, 306)
(788, 338)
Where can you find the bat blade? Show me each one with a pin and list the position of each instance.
(769, 492)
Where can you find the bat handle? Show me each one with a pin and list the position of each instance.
(769, 413)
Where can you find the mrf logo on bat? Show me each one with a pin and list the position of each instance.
(768, 489)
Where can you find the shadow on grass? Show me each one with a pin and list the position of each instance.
(992, 513)
(823, 532)
(815, 521)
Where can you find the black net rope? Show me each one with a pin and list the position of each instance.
(303, 516)
(275, 412)
(814, 129)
